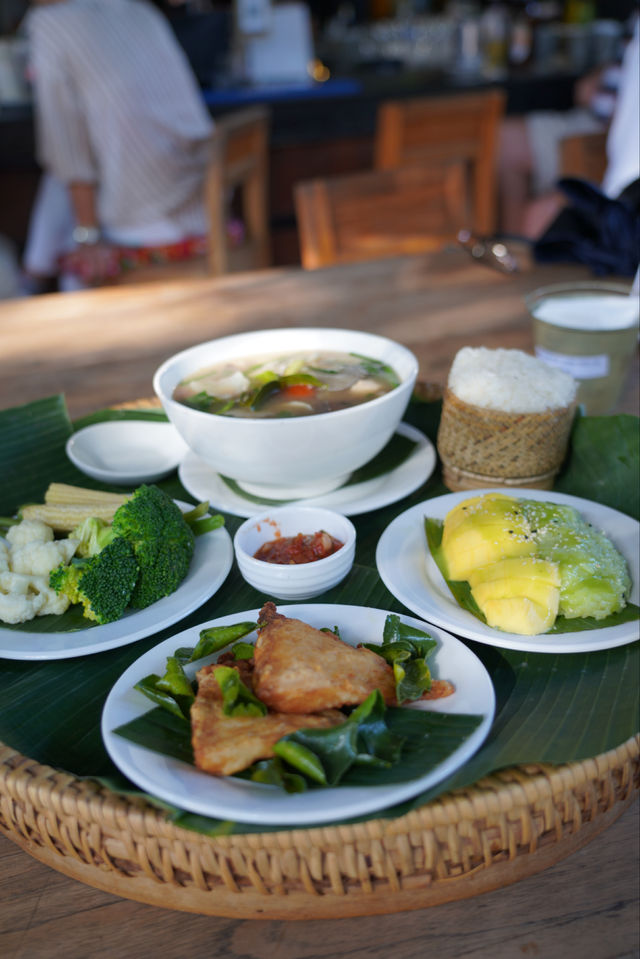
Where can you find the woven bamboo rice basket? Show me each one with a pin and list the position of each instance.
(506, 827)
(481, 447)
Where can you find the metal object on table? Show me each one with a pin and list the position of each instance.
(487, 250)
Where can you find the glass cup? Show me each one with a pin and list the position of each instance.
(588, 329)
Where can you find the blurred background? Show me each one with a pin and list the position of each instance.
(324, 69)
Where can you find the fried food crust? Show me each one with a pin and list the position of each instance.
(300, 669)
(223, 745)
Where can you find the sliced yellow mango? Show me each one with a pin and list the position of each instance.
(477, 504)
(483, 529)
(480, 543)
(520, 615)
(545, 594)
(530, 567)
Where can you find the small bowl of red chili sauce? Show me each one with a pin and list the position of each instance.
(295, 552)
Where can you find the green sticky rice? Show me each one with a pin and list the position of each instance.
(594, 578)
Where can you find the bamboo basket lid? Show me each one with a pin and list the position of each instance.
(505, 827)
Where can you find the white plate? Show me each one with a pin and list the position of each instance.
(212, 560)
(127, 452)
(408, 570)
(222, 797)
(203, 482)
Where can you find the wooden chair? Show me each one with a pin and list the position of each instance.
(375, 214)
(236, 191)
(238, 181)
(584, 156)
(459, 126)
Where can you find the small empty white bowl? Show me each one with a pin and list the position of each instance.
(127, 452)
(295, 581)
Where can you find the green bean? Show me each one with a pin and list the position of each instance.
(217, 637)
(301, 758)
(175, 681)
(148, 687)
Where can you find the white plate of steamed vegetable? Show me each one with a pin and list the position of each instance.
(207, 566)
(409, 571)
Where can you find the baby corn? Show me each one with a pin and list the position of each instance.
(64, 493)
(63, 517)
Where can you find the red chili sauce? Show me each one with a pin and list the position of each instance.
(302, 548)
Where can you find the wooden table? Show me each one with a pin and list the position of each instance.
(101, 348)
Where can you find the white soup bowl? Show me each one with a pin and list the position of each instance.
(289, 457)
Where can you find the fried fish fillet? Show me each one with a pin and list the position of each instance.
(300, 669)
(224, 745)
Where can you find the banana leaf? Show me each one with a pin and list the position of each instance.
(550, 708)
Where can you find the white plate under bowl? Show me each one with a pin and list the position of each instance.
(212, 560)
(226, 797)
(127, 452)
(408, 570)
(203, 483)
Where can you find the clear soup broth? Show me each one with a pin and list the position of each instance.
(295, 384)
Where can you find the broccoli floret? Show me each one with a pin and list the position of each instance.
(93, 535)
(161, 539)
(102, 583)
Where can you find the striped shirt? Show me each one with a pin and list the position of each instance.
(117, 105)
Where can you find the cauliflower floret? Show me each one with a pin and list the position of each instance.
(39, 558)
(5, 555)
(52, 602)
(29, 531)
(23, 597)
(18, 601)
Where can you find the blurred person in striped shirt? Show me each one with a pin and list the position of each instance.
(122, 136)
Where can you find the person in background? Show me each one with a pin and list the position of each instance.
(623, 139)
(123, 137)
(615, 98)
(529, 153)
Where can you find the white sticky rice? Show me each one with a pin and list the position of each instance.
(509, 380)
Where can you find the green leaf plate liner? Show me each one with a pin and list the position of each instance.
(550, 708)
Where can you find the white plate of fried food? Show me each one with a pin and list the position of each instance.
(210, 565)
(229, 797)
(410, 573)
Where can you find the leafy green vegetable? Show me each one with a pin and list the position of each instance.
(406, 649)
(176, 682)
(162, 542)
(325, 755)
(208, 403)
(280, 384)
(243, 650)
(237, 699)
(378, 368)
(148, 686)
(428, 739)
(603, 462)
(103, 583)
(215, 638)
(201, 521)
(274, 772)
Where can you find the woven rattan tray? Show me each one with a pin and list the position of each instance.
(506, 827)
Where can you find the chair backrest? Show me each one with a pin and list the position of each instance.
(237, 189)
(584, 155)
(458, 126)
(379, 213)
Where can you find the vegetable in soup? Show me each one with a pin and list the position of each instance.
(295, 384)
